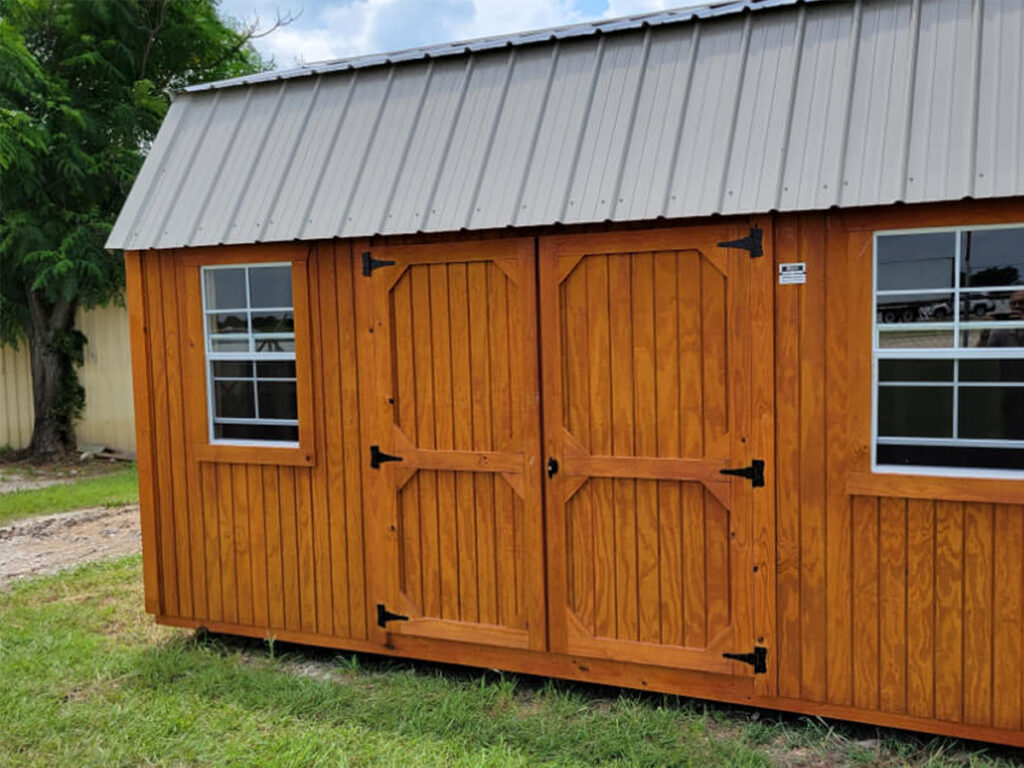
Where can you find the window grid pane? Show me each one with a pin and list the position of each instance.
(985, 329)
(231, 371)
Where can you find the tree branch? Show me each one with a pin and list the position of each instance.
(251, 31)
(153, 32)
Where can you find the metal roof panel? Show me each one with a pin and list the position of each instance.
(742, 108)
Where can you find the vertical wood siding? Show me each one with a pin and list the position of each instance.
(886, 603)
(255, 545)
(894, 599)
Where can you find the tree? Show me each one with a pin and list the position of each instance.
(83, 89)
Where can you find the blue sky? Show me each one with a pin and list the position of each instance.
(328, 29)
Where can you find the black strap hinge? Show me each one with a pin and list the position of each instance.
(754, 473)
(370, 263)
(751, 242)
(384, 616)
(758, 659)
(378, 457)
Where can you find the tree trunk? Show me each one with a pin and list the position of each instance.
(52, 431)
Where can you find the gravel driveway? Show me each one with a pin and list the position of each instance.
(41, 545)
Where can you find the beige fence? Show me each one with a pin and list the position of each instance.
(106, 375)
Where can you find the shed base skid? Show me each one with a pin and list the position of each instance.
(680, 682)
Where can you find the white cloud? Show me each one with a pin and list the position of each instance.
(328, 29)
(617, 8)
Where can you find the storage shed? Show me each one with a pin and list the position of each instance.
(682, 352)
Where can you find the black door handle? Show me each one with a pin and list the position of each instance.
(754, 473)
(552, 466)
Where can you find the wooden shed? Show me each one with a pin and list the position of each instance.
(682, 352)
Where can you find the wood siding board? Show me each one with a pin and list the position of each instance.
(425, 438)
(164, 468)
(333, 555)
(573, 309)
(443, 406)
(600, 420)
(258, 547)
(224, 504)
(243, 560)
(462, 396)
(289, 548)
(787, 468)
(667, 408)
(865, 602)
(979, 559)
(813, 475)
(482, 405)
(949, 602)
(646, 444)
(211, 520)
(193, 480)
(892, 594)
(142, 385)
(839, 541)
(622, 400)
(179, 508)
(921, 607)
(306, 551)
(278, 600)
(323, 565)
(353, 502)
(1008, 641)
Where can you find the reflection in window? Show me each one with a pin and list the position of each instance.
(250, 352)
(949, 348)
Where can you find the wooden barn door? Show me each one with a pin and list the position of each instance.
(459, 516)
(647, 396)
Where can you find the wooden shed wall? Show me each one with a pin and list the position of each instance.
(250, 545)
(896, 595)
(899, 600)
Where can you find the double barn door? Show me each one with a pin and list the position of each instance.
(551, 420)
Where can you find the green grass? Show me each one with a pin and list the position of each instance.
(120, 487)
(87, 679)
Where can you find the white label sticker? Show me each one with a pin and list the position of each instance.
(793, 273)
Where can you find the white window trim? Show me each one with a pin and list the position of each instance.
(926, 354)
(210, 356)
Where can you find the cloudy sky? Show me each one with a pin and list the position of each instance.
(330, 29)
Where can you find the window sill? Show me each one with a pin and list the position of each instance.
(903, 483)
(228, 453)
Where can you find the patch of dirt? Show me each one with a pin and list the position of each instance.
(52, 543)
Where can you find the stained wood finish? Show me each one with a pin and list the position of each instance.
(274, 540)
(459, 519)
(897, 600)
(897, 595)
(646, 349)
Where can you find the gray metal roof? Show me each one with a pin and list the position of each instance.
(671, 115)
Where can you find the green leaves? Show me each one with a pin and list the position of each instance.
(83, 88)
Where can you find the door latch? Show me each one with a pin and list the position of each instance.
(754, 473)
(552, 466)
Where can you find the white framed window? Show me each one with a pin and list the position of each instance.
(948, 351)
(249, 329)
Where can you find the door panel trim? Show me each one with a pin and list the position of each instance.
(559, 257)
(516, 458)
